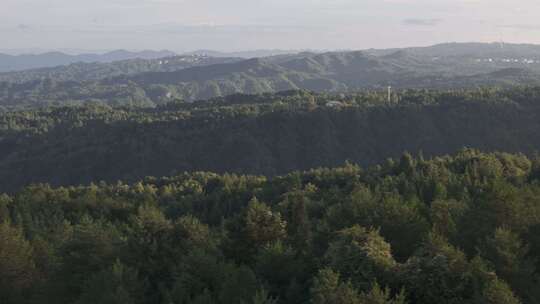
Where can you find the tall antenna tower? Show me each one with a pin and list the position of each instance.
(501, 41)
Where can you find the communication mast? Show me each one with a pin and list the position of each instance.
(501, 41)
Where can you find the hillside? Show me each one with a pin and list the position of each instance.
(265, 134)
(52, 59)
(473, 49)
(91, 71)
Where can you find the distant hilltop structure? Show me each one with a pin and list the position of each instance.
(334, 103)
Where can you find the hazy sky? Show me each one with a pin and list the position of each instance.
(184, 25)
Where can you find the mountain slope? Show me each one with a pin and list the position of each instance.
(326, 72)
(51, 59)
(91, 71)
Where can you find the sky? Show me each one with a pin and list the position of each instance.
(234, 25)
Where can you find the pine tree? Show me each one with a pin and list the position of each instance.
(17, 268)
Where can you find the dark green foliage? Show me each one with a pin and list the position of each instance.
(509, 258)
(116, 285)
(17, 268)
(328, 289)
(344, 235)
(361, 256)
(438, 273)
(271, 134)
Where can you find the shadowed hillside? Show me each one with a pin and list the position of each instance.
(262, 134)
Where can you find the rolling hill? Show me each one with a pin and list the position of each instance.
(52, 59)
(91, 71)
(149, 84)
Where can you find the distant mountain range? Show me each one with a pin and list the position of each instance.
(52, 59)
(11, 63)
(243, 54)
(196, 77)
(473, 49)
(87, 71)
(465, 65)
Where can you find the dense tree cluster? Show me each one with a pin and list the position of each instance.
(452, 229)
(265, 134)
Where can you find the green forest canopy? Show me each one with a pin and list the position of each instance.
(450, 229)
(83, 221)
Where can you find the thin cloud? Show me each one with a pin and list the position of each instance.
(422, 22)
(529, 27)
(23, 27)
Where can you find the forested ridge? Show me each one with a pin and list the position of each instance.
(265, 134)
(450, 229)
(149, 83)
